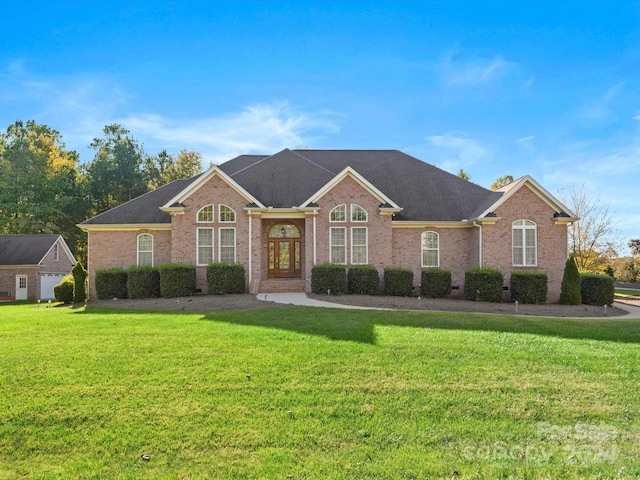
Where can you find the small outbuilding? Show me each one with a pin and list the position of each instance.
(31, 265)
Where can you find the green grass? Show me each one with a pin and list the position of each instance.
(298, 392)
(626, 292)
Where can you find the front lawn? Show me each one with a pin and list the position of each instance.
(298, 392)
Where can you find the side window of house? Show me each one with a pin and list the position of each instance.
(227, 245)
(205, 214)
(204, 246)
(525, 248)
(358, 214)
(339, 214)
(338, 245)
(145, 249)
(430, 249)
(56, 252)
(359, 245)
(226, 214)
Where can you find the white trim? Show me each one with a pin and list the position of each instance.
(198, 263)
(510, 189)
(351, 212)
(344, 231)
(422, 249)
(523, 228)
(138, 248)
(350, 172)
(201, 180)
(213, 214)
(334, 209)
(315, 238)
(366, 245)
(65, 249)
(220, 205)
(124, 227)
(429, 225)
(250, 242)
(220, 229)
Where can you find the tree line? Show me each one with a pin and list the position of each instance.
(44, 188)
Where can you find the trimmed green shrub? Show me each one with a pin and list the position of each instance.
(143, 282)
(177, 279)
(111, 283)
(597, 289)
(435, 282)
(398, 281)
(528, 287)
(363, 279)
(329, 277)
(483, 284)
(79, 283)
(63, 292)
(571, 281)
(223, 278)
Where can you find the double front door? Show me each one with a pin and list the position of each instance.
(284, 258)
(284, 251)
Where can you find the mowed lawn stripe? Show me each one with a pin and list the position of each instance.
(315, 393)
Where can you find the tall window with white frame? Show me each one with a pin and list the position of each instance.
(359, 250)
(205, 246)
(525, 249)
(145, 249)
(227, 245)
(338, 245)
(430, 249)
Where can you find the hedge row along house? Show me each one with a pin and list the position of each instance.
(279, 215)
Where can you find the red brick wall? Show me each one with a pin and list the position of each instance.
(183, 234)
(348, 191)
(551, 239)
(457, 252)
(8, 281)
(119, 249)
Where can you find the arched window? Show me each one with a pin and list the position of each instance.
(358, 214)
(339, 213)
(430, 249)
(205, 214)
(226, 214)
(525, 249)
(284, 230)
(145, 249)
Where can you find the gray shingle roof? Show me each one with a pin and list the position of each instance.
(425, 192)
(290, 177)
(25, 249)
(143, 209)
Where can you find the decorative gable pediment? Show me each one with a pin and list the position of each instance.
(562, 214)
(176, 206)
(386, 204)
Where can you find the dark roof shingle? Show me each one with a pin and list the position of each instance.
(25, 249)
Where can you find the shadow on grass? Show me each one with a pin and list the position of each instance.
(347, 325)
(360, 325)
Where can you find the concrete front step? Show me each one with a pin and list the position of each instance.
(282, 285)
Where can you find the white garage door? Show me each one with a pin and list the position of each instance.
(47, 282)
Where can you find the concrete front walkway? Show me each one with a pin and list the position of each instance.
(297, 298)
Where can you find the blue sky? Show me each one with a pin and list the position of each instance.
(548, 89)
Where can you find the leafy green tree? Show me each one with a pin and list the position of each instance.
(571, 282)
(634, 245)
(116, 173)
(164, 167)
(501, 182)
(464, 175)
(79, 283)
(40, 189)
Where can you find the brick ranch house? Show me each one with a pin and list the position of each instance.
(31, 265)
(279, 215)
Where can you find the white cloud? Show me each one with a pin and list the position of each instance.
(455, 151)
(260, 128)
(473, 73)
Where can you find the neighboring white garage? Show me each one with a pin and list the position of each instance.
(47, 282)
